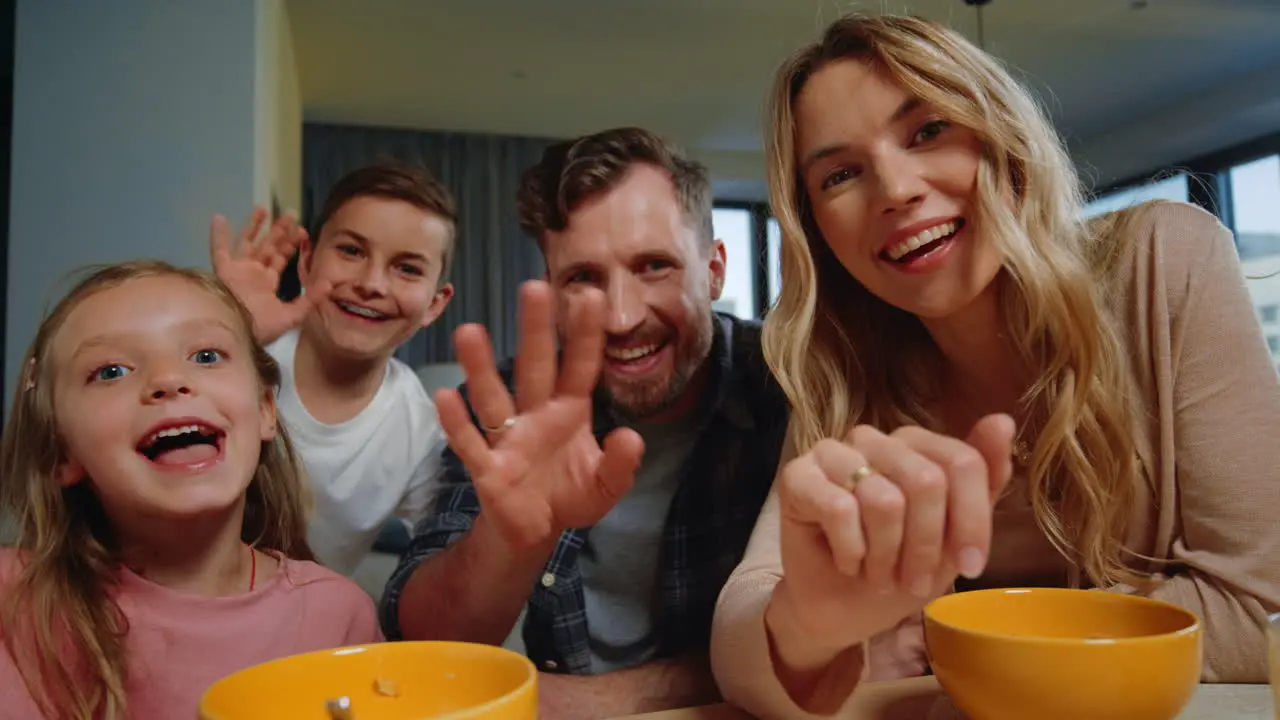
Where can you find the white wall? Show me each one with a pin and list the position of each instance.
(286, 153)
(132, 124)
(278, 110)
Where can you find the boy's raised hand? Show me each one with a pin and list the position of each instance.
(251, 265)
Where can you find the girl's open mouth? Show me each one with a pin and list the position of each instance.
(186, 445)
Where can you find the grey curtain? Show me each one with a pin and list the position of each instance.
(493, 256)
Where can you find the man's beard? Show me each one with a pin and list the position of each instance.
(646, 398)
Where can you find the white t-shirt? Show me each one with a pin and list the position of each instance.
(382, 463)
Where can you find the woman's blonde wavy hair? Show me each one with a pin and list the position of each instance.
(845, 357)
(59, 621)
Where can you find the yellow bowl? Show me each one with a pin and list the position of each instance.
(1055, 654)
(387, 681)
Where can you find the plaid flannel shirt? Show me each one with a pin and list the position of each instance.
(725, 483)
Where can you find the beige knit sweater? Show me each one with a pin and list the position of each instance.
(1212, 401)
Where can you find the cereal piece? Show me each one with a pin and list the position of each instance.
(386, 688)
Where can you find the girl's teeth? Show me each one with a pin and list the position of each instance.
(176, 431)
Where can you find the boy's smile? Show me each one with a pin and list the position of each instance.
(383, 258)
(362, 312)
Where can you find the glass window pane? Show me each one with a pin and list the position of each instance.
(773, 242)
(1255, 212)
(1170, 188)
(733, 227)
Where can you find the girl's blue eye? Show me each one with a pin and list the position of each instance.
(110, 372)
(206, 357)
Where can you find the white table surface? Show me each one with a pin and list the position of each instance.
(922, 699)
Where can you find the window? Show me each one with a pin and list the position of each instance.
(1273, 342)
(733, 227)
(773, 245)
(1170, 188)
(1255, 211)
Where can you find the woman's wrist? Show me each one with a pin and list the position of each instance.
(817, 673)
(793, 642)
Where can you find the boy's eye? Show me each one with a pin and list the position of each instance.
(109, 372)
(206, 356)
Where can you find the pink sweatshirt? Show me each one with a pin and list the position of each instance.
(180, 644)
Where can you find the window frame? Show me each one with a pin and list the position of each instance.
(1208, 175)
(759, 214)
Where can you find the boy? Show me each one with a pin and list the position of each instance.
(375, 274)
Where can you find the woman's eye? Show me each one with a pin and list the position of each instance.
(109, 372)
(930, 130)
(206, 357)
(837, 177)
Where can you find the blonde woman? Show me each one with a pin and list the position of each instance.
(938, 280)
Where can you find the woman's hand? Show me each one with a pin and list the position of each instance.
(874, 526)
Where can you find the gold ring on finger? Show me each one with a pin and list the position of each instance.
(503, 427)
(859, 475)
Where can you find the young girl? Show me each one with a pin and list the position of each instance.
(159, 505)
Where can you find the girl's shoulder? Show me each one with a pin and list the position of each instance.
(301, 573)
(332, 601)
(309, 577)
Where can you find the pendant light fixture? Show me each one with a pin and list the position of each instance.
(977, 6)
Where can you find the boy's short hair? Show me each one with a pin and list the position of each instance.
(396, 180)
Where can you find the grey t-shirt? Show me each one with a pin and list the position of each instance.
(619, 562)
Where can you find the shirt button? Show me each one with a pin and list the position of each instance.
(550, 665)
(548, 579)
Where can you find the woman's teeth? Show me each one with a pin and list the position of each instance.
(920, 239)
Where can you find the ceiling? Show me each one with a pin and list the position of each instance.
(698, 70)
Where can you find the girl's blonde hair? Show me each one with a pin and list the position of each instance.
(60, 624)
(845, 357)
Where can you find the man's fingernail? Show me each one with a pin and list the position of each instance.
(971, 563)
